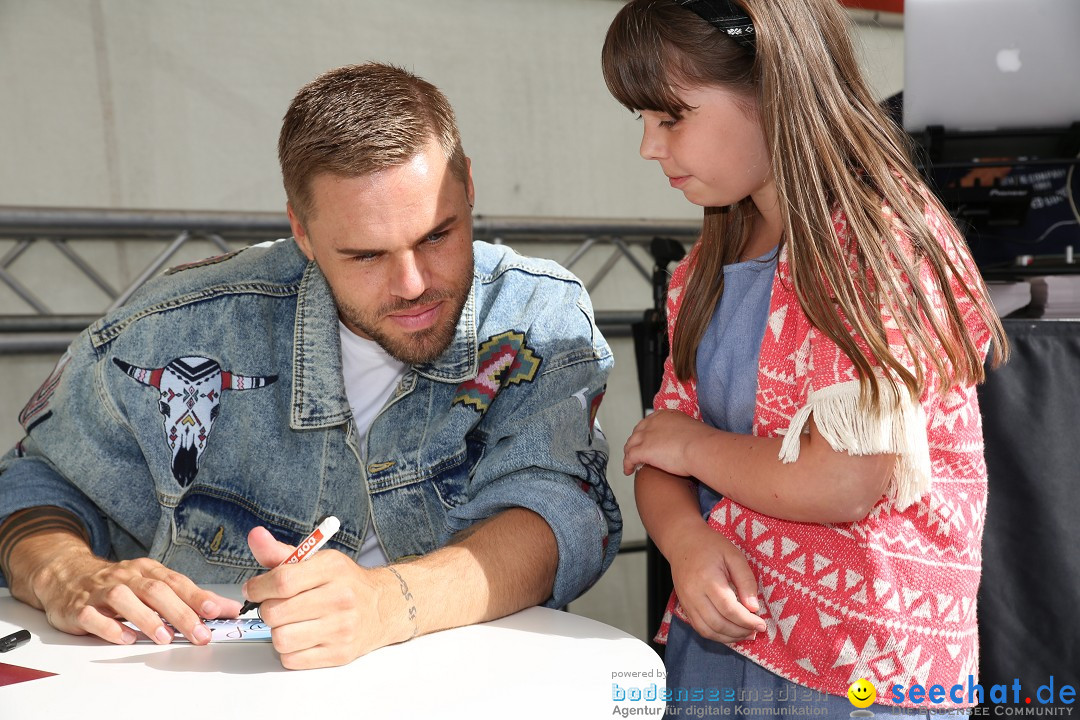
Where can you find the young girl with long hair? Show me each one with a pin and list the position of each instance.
(814, 469)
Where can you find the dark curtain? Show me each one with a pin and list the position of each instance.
(1029, 599)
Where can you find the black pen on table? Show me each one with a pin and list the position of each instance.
(14, 640)
(307, 547)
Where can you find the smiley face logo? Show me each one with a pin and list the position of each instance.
(862, 693)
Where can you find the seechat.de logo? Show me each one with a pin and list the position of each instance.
(975, 694)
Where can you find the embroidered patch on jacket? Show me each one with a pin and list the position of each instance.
(503, 360)
(200, 263)
(595, 485)
(190, 393)
(37, 409)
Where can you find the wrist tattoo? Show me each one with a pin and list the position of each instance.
(408, 599)
(32, 521)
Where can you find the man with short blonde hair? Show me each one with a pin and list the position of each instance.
(436, 395)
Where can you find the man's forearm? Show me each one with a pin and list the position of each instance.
(497, 567)
(31, 537)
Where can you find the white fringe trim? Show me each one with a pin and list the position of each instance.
(899, 427)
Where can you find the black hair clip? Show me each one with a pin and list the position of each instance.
(727, 17)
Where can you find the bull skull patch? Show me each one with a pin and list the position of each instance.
(190, 400)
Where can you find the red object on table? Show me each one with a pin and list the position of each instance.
(11, 674)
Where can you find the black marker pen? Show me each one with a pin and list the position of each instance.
(14, 640)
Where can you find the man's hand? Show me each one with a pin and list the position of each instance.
(329, 611)
(84, 594)
(326, 610)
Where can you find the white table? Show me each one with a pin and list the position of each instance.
(538, 663)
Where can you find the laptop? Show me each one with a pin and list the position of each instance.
(991, 64)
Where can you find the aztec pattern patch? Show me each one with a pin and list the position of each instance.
(503, 360)
(190, 394)
(37, 409)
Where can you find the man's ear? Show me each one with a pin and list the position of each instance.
(298, 232)
(470, 191)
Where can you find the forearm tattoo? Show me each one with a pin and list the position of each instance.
(408, 599)
(32, 521)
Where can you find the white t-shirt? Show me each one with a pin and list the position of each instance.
(370, 378)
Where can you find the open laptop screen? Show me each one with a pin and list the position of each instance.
(991, 64)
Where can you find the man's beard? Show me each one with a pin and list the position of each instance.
(420, 346)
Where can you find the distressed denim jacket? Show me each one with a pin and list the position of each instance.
(213, 401)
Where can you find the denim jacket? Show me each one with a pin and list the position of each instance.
(213, 401)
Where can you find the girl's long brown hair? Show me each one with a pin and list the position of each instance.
(833, 149)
